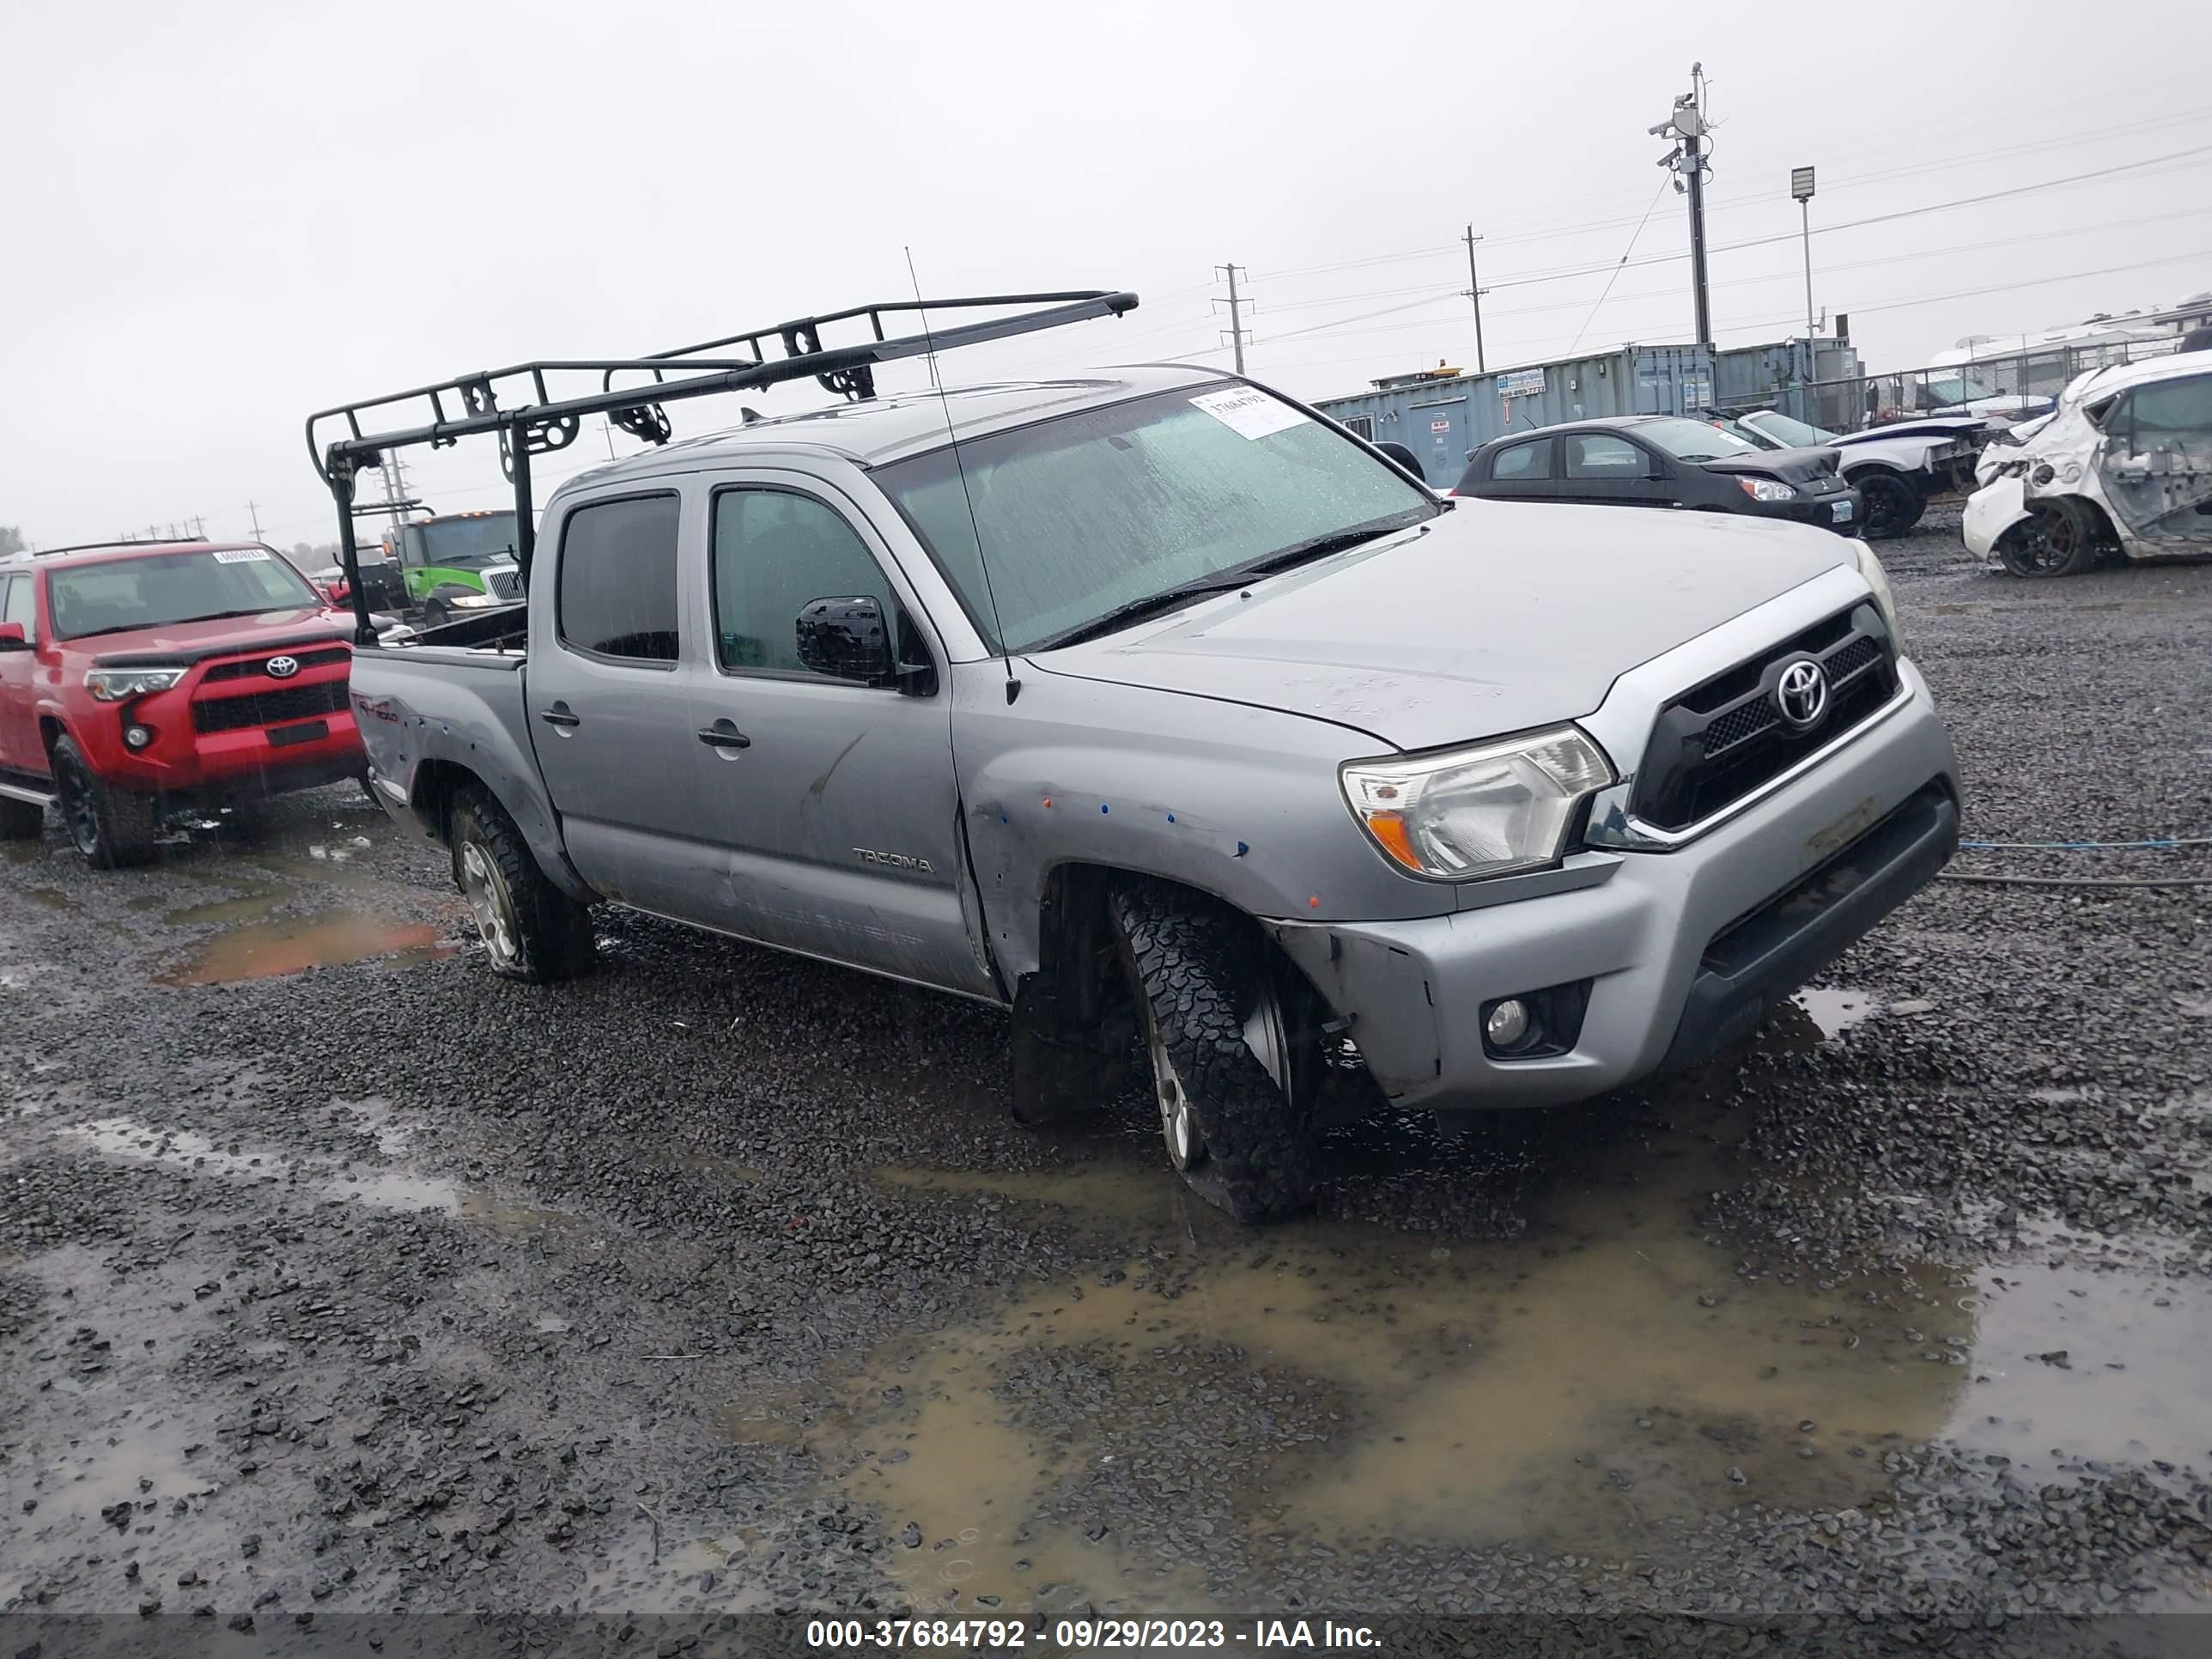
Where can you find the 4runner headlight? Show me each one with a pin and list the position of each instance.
(115, 685)
(1469, 813)
(1884, 600)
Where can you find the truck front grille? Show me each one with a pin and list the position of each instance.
(1722, 738)
(257, 668)
(506, 585)
(294, 702)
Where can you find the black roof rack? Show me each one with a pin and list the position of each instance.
(121, 541)
(540, 419)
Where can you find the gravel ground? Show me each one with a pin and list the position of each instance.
(339, 1280)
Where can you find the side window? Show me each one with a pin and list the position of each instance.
(775, 552)
(2167, 409)
(1601, 455)
(1523, 462)
(617, 595)
(22, 604)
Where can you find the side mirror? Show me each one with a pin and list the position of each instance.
(1404, 456)
(846, 639)
(12, 637)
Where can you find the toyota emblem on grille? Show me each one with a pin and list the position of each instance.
(1800, 695)
(282, 668)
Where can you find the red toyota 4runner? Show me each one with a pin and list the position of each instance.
(140, 676)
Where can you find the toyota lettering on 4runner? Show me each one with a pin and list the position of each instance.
(1170, 717)
(135, 676)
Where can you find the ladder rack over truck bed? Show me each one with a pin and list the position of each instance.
(470, 404)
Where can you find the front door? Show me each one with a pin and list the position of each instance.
(2156, 464)
(831, 802)
(609, 706)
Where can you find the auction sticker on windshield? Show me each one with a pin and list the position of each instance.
(241, 556)
(1249, 411)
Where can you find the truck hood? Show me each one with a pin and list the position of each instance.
(218, 636)
(1499, 616)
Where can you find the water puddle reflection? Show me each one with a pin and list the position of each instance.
(292, 945)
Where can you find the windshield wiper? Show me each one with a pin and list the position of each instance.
(1320, 547)
(1121, 615)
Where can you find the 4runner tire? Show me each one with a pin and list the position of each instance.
(1891, 504)
(2057, 539)
(531, 930)
(111, 827)
(1236, 1106)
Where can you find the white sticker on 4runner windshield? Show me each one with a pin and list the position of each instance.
(1250, 410)
(241, 556)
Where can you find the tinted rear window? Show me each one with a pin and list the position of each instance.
(617, 587)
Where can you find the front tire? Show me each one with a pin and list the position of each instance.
(532, 931)
(1891, 504)
(1218, 1016)
(2057, 539)
(113, 828)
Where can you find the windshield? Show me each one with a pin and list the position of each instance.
(1795, 433)
(1955, 389)
(469, 544)
(165, 588)
(1693, 440)
(1084, 514)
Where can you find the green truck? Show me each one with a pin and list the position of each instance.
(441, 567)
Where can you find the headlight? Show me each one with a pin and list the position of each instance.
(1768, 489)
(1476, 812)
(472, 601)
(114, 684)
(1884, 600)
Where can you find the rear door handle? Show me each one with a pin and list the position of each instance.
(724, 734)
(558, 715)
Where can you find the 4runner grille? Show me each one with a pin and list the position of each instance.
(268, 708)
(1722, 740)
(258, 667)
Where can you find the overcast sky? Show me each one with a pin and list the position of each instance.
(221, 215)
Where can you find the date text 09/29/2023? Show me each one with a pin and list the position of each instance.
(1123, 1634)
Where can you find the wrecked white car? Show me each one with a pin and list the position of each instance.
(2122, 468)
(1896, 469)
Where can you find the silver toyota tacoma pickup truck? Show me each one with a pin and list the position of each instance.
(1174, 719)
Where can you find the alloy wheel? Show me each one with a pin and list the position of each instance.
(485, 885)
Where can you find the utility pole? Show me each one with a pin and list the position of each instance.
(199, 527)
(1475, 293)
(1235, 313)
(255, 514)
(1688, 126)
(1801, 186)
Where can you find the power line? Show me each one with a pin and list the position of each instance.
(1623, 265)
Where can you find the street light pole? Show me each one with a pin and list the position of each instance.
(1801, 186)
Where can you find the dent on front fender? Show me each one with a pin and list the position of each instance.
(1992, 510)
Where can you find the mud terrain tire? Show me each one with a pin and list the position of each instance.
(532, 931)
(1197, 971)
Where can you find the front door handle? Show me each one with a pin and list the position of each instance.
(724, 734)
(558, 715)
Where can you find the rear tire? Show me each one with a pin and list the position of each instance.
(532, 931)
(113, 828)
(1236, 1101)
(1891, 505)
(2057, 539)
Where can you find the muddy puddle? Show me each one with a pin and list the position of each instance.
(1609, 1376)
(292, 945)
(399, 1189)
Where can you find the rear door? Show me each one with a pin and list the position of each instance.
(1522, 471)
(830, 804)
(609, 702)
(21, 751)
(1612, 471)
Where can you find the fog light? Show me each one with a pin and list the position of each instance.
(137, 736)
(1508, 1023)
